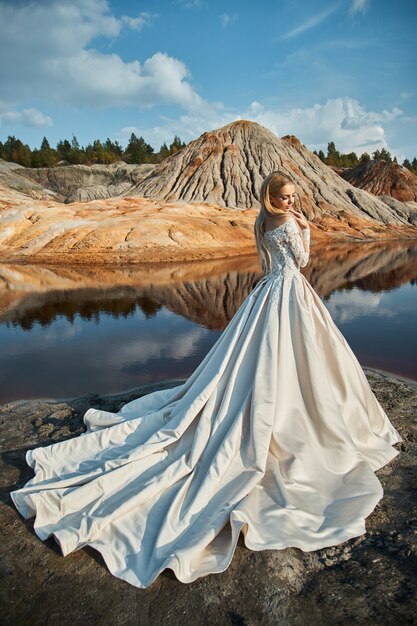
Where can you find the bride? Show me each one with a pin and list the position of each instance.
(276, 434)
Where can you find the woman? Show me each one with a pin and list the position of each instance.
(277, 433)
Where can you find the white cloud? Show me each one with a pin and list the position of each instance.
(137, 23)
(47, 51)
(342, 120)
(311, 22)
(358, 6)
(226, 19)
(26, 117)
(191, 4)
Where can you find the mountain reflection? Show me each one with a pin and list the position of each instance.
(207, 293)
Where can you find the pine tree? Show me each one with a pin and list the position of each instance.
(47, 156)
(176, 145)
(76, 155)
(16, 152)
(113, 151)
(138, 151)
(333, 156)
(382, 155)
(63, 150)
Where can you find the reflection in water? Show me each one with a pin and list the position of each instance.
(67, 331)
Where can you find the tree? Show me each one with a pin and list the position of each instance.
(76, 155)
(176, 145)
(113, 151)
(382, 155)
(63, 150)
(46, 154)
(365, 157)
(138, 151)
(98, 152)
(17, 152)
(164, 152)
(333, 156)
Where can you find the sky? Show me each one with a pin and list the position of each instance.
(341, 71)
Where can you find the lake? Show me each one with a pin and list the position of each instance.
(67, 331)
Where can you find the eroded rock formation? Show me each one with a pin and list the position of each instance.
(227, 166)
(384, 179)
(119, 230)
(73, 183)
(199, 203)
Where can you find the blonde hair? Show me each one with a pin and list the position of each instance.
(270, 187)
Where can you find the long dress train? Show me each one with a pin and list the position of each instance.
(277, 433)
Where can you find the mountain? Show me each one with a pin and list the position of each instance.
(200, 203)
(227, 166)
(73, 183)
(382, 178)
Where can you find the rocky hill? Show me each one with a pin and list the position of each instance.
(227, 166)
(119, 230)
(73, 183)
(199, 203)
(384, 179)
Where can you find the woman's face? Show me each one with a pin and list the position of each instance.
(285, 198)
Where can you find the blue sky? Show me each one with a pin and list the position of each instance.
(338, 71)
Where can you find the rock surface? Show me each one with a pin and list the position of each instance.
(199, 203)
(226, 166)
(384, 179)
(138, 230)
(367, 580)
(73, 183)
(119, 230)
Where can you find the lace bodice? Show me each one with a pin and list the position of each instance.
(289, 247)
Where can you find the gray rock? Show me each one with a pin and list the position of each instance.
(366, 580)
(74, 183)
(227, 166)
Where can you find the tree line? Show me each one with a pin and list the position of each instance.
(70, 152)
(139, 151)
(339, 159)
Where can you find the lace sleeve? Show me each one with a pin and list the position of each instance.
(299, 243)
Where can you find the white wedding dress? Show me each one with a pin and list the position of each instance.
(277, 433)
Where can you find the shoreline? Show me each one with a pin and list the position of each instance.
(403, 379)
(149, 387)
(165, 256)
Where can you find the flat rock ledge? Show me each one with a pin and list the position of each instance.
(369, 580)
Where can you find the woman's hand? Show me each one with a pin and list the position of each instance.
(301, 220)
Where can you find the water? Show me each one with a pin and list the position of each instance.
(66, 331)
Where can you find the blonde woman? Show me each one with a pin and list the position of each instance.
(276, 434)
